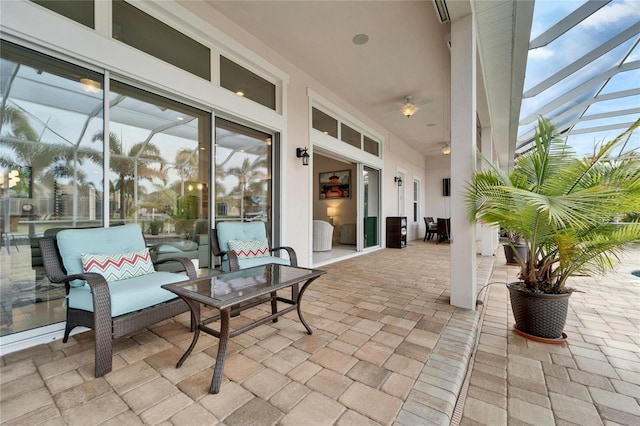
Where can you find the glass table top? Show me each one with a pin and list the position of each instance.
(226, 289)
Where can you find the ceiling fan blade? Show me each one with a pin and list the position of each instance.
(423, 102)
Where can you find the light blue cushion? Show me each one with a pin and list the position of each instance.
(244, 231)
(72, 243)
(129, 295)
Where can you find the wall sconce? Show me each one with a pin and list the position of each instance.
(398, 180)
(331, 212)
(446, 149)
(304, 154)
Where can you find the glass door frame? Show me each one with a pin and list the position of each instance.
(360, 246)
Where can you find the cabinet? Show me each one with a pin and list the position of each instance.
(396, 232)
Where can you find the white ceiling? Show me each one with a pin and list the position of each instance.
(407, 54)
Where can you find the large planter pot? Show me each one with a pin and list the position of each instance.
(510, 253)
(540, 315)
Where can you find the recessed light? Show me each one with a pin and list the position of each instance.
(360, 39)
(179, 118)
(240, 93)
(90, 86)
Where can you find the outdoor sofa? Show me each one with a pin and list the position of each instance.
(125, 293)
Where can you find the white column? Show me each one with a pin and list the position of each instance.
(489, 235)
(463, 160)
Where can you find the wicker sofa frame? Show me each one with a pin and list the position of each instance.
(105, 327)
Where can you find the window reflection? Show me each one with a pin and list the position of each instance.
(159, 172)
(243, 173)
(51, 175)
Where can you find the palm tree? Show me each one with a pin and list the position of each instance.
(48, 162)
(247, 174)
(563, 206)
(186, 165)
(132, 166)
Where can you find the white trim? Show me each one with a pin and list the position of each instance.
(203, 32)
(342, 115)
(419, 215)
(37, 336)
(47, 32)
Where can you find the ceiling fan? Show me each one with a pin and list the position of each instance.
(409, 107)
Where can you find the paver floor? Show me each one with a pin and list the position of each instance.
(387, 348)
(592, 379)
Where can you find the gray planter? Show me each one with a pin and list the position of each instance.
(540, 315)
(510, 253)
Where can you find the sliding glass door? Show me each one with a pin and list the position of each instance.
(51, 175)
(53, 164)
(371, 210)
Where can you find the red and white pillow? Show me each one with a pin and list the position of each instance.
(249, 249)
(115, 267)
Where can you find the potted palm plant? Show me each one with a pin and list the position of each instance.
(565, 208)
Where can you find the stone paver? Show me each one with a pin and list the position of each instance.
(380, 354)
(588, 380)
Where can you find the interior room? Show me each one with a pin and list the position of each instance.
(334, 208)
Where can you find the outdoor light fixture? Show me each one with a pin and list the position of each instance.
(398, 180)
(304, 154)
(446, 149)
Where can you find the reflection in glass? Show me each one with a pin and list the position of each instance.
(51, 175)
(159, 173)
(243, 173)
(350, 136)
(371, 178)
(324, 123)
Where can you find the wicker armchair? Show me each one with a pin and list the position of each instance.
(99, 316)
(245, 231)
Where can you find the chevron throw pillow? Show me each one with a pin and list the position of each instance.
(249, 249)
(115, 267)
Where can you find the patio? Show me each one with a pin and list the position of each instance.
(387, 349)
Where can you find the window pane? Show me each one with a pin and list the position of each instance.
(142, 31)
(371, 146)
(243, 173)
(159, 171)
(350, 136)
(81, 11)
(245, 83)
(324, 123)
(50, 178)
(371, 180)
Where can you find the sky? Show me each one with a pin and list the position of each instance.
(570, 48)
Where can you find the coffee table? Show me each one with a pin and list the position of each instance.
(233, 292)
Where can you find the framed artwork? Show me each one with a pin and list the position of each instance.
(335, 185)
